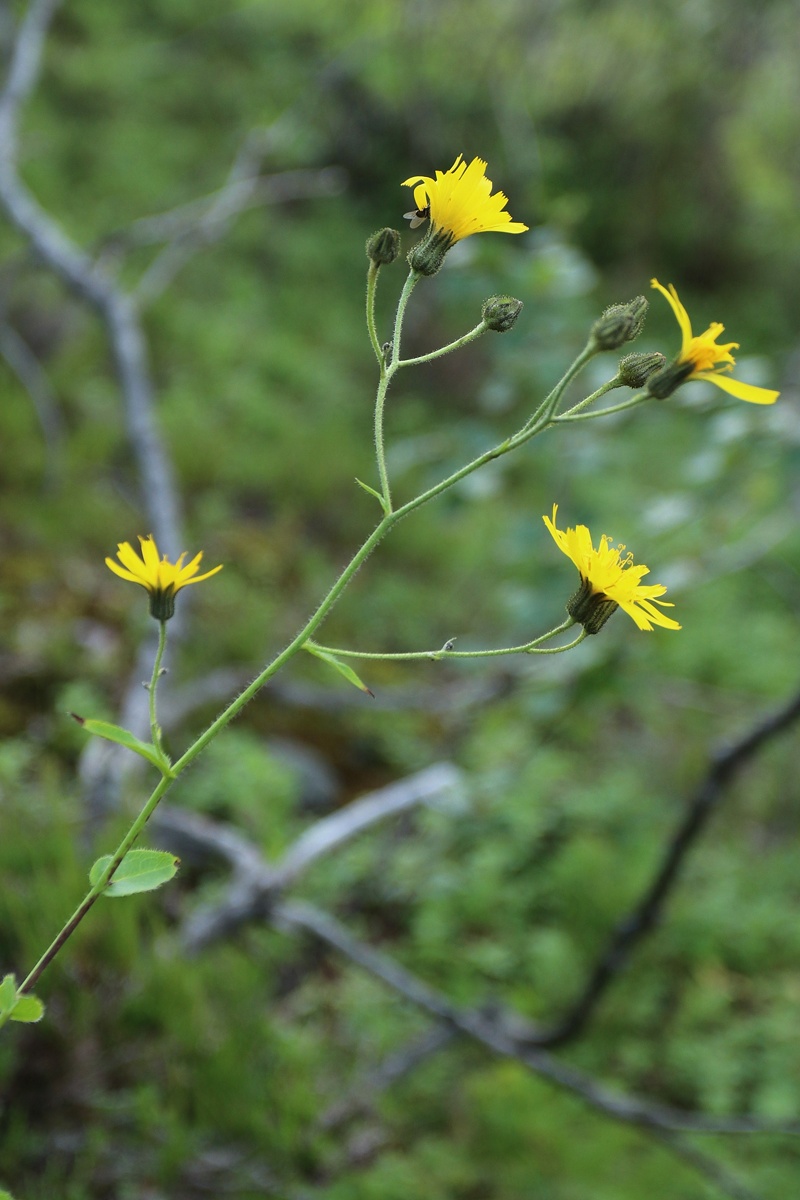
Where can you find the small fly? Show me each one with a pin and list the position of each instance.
(418, 216)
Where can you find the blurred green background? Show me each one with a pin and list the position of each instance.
(635, 141)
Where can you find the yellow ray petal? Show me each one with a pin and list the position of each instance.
(742, 391)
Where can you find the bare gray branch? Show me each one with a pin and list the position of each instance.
(204, 221)
(78, 272)
(256, 883)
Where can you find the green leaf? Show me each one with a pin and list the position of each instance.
(8, 994)
(18, 1008)
(343, 669)
(372, 492)
(4, 1195)
(139, 871)
(28, 1009)
(123, 737)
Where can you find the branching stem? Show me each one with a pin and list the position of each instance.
(533, 647)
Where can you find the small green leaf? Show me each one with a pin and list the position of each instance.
(372, 492)
(28, 1009)
(14, 1007)
(139, 871)
(123, 737)
(4, 1195)
(8, 994)
(343, 669)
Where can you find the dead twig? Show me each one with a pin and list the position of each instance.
(723, 769)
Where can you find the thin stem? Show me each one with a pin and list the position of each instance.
(437, 655)
(456, 345)
(225, 717)
(550, 403)
(405, 295)
(372, 283)
(94, 893)
(524, 435)
(155, 730)
(380, 448)
(574, 415)
(601, 391)
(296, 644)
(387, 371)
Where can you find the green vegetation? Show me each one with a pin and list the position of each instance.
(635, 142)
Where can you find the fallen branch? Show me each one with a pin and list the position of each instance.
(256, 883)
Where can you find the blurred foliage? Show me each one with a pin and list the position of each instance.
(635, 141)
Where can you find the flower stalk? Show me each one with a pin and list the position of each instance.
(152, 687)
(446, 651)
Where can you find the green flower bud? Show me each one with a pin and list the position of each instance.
(428, 255)
(383, 247)
(666, 381)
(619, 324)
(589, 608)
(162, 603)
(636, 369)
(500, 313)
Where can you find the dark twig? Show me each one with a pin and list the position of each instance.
(656, 1120)
(723, 769)
(508, 1033)
(714, 1171)
(494, 1035)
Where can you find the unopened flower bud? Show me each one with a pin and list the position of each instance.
(636, 369)
(663, 383)
(428, 255)
(383, 247)
(619, 324)
(589, 608)
(500, 313)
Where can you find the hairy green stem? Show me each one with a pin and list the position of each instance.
(380, 445)
(436, 655)
(408, 287)
(549, 405)
(456, 345)
(94, 893)
(573, 414)
(296, 644)
(372, 284)
(387, 371)
(155, 730)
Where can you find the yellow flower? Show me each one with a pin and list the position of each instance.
(162, 579)
(608, 579)
(705, 359)
(459, 203)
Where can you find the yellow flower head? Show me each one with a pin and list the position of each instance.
(162, 579)
(459, 203)
(708, 360)
(608, 579)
